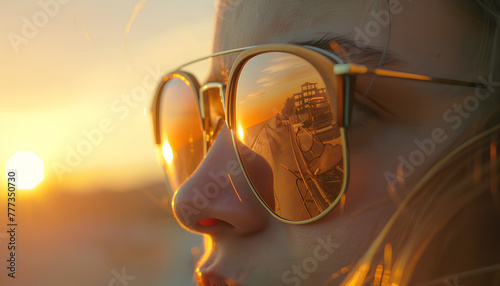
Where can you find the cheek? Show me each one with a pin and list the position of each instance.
(366, 184)
(387, 159)
(368, 159)
(334, 244)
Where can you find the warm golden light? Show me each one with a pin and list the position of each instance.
(359, 276)
(378, 275)
(240, 133)
(387, 256)
(184, 79)
(208, 246)
(28, 167)
(168, 154)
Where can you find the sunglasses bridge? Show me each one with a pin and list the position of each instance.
(210, 128)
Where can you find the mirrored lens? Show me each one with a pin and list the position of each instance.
(181, 130)
(283, 114)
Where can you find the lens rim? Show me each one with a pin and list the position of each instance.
(191, 82)
(323, 62)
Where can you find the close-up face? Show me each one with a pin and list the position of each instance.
(398, 130)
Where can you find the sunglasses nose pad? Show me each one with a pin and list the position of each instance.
(212, 110)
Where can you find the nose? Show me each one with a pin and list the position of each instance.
(217, 198)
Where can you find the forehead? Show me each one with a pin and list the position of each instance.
(242, 23)
(245, 23)
(436, 42)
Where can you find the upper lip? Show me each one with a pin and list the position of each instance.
(214, 270)
(220, 265)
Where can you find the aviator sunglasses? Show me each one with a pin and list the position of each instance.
(287, 108)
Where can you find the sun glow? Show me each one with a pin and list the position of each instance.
(208, 246)
(28, 167)
(168, 154)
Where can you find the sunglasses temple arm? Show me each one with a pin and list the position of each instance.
(354, 69)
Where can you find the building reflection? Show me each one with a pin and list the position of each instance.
(313, 111)
(303, 144)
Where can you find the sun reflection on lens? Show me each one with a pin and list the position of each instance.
(168, 154)
(240, 132)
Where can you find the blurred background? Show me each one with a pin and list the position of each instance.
(76, 80)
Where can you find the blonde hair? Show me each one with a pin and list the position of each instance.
(447, 229)
(456, 204)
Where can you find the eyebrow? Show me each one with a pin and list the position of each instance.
(349, 50)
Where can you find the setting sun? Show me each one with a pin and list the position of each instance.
(29, 168)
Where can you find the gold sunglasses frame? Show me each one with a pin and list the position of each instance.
(339, 79)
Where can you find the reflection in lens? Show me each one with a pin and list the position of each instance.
(283, 113)
(181, 131)
(241, 135)
(168, 154)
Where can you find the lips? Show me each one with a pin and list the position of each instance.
(212, 278)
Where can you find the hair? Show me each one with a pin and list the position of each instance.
(488, 11)
(447, 229)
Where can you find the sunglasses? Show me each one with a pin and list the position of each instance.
(287, 108)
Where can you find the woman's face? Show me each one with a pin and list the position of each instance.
(244, 242)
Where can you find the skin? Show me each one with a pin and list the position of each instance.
(245, 243)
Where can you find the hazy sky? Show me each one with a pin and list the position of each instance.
(68, 69)
(269, 80)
